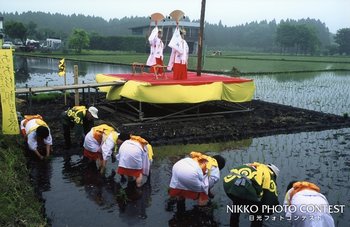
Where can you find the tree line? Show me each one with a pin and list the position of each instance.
(304, 36)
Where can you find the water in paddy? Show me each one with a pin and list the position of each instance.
(326, 92)
(321, 91)
(76, 195)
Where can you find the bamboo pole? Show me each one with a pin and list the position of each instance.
(76, 73)
(65, 93)
(200, 39)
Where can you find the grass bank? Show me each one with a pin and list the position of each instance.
(243, 63)
(19, 205)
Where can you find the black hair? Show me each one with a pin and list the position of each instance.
(290, 185)
(221, 161)
(42, 132)
(124, 136)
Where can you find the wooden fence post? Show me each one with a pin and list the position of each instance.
(76, 73)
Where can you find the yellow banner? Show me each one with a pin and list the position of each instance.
(7, 92)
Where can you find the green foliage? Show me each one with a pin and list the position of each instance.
(15, 30)
(298, 39)
(244, 62)
(46, 96)
(18, 204)
(183, 150)
(253, 36)
(122, 197)
(342, 38)
(306, 39)
(31, 30)
(127, 43)
(78, 40)
(285, 35)
(259, 36)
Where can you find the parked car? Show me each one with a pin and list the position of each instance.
(8, 45)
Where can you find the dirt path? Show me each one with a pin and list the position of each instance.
(265, 119)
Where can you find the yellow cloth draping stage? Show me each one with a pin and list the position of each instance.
(196, 89)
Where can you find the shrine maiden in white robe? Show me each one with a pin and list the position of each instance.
(187, 175)
(132, 155)
(106, 147)
(305, 201)
(31, 134)
(157, 47)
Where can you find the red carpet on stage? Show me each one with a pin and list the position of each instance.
(192, 79)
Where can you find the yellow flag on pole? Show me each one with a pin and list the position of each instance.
(62, 67)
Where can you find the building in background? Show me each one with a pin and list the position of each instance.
(168, 27)
(52, 44)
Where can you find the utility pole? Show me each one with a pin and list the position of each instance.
(200, 39)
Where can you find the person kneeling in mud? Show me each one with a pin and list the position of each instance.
(194, 176)
(37, 135)
(81, 119)
(301, 194)
(100, 143)
(252, 185)
(135, 158)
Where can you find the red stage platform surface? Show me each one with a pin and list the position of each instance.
(192, 79)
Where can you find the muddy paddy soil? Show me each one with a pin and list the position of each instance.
(94, 200)
(264, 119)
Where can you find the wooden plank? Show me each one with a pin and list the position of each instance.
(67, 87)
(107, 109)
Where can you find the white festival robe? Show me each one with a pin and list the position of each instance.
(106, 147)
(31, 137)
(301, 217)
(132, 155)
(187, 175)
(180, 50)
(157, 47)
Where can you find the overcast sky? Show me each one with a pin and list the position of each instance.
(334, 13)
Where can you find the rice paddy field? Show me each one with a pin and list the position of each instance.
(319, 157)
(75, 196)
(315, 83)
(246, 63)
(324, 91)
(271, 64)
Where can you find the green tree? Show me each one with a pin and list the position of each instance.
(31, 30)
(299, 38)
(78, 40)
(285, 36)
(44, 33)
(15, 30)
(306, 39)
(342, 38)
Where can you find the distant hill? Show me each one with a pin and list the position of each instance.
(65, 24)
(255, 35)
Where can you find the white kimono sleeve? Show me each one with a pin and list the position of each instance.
(32, 141)
(90, 143)
(107, 147)
(187, 175)
(48, 139)
(175, 42)
(214, 176)
(146, 163)
(152, 39)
